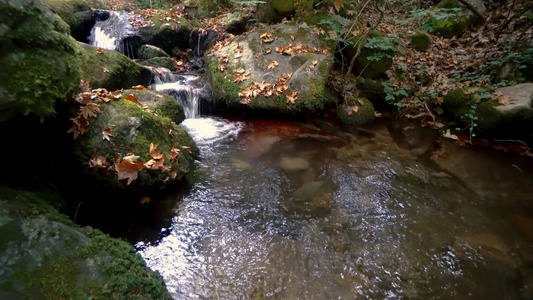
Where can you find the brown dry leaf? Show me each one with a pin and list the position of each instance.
(292, 37)
(257, 55)
(272, 64)
(246, 93)
(138, 87)
(128, 170)
(107, 133)
(132, 158)
(238, 54)
(221, 68)
(504, 100)
(245, 100)
(338, 5)
(100, 51)
(89, 110)
(186, 148)
(154, 152)
(105, 70)
(355, 108)
(223, 58)
(266, 38)
(268, 50)
(173, 175)
(438, 101)
(291, 97)
(145, 200)
(174, 153)
(99, 162)
(361, 101)
(132, 98)
(449, 135)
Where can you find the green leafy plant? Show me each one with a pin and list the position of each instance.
(393, 95)
(386, 46)
(431, 19)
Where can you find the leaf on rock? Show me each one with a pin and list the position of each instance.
(272, 64)
(174, 153)
(107, 133)
(449, 135)
(100, 51)
(105, 70)
(268, 50)
(99, 162)
(266, 38)
(138, 87)
(127, 169)
(145, 200)
(221, 68)
(155, 153)
(89, 110)
(223, 58)
(132, 98)
(291, 97)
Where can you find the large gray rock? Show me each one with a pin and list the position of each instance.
(309, 67)
(46, 256)
(519, 96)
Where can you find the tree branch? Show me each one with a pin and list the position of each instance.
(473, 9)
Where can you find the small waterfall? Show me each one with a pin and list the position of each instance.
(110, 34)
(182, 88)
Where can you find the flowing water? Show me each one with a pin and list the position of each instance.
(285, 210)
(110, 34)
(315, 211)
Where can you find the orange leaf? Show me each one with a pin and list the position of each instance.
(138, 87)
(338, 5)
(128, 170)
(132, 98)
(98, 162)
(272, 64)
(155, 153)
(291, 97)
(174, 153)
(100, 51)
(221, 68)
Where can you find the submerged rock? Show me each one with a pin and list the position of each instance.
(292, 164)
(306, 65)
(46, 256)
(311, 199)
(40, 61)
(112, 70)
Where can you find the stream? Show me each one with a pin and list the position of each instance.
(288, 210)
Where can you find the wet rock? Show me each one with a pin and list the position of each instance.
(241, 164)
(162, 104)
(40, 61)
(411, 136)
(149, 51)
(524, 224)
(356, 111)
(311, 199)
(489, 246)
(134, 129)
(46, 256)
(292, 164)
(309, 70)
(160, 62)
(112, 70)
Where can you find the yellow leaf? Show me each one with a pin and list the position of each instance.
(291, 97)
(138, 87)
(272, 64)
(355, 108)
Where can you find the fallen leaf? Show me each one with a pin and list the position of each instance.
(145, 200)
(107, 133)
(128, 170)
(223, 58)
(266, 38)
(272, 64)
(138, 87)
(105, 70)
(257, 56)
(186, 148)
(132, 98)
(449, 135)
(338, 5)
(291, 97)
(100, 51)
(174, 153)
(89, 110)
(361, 101)
(268, 50)
(99, 162)
(154, 152)
(292, 37)
(221, 68)
(355, 108)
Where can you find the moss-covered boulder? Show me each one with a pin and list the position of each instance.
(160, 62)
(356, 111)
(273, 11)
(46, 256)
(112, 70)
(162, 104)
(172, 36)
(149, 51)
(513, 71)
(283, 6)
(133, 130)
(374, 91)
(78, 14)
(40, 62)
(300, 66)
(375, 57)
(420, 41)
(457, 25)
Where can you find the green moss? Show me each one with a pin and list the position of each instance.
(207, 8)
(122, 72)
(457, 27)
(164, 62)
(420, 41)
(352, 112)
(448, 4)
(283, 6)
(45, 254)
(487, 115)
(458, 102)
(149, 51)
(223, 89)
(40, 61)
(162, 104)
(134, 131)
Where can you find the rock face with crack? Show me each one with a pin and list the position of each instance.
(275, 70)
